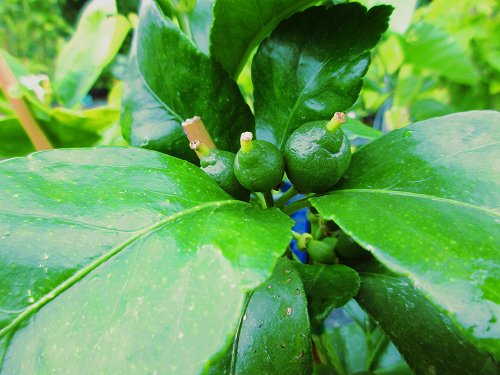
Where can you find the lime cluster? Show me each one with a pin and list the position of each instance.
(315, 157)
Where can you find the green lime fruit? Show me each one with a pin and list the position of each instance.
(321, 251)
(317, 154)
(219, 165)
(259, 165)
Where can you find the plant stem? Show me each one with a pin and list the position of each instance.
(183, 20)
(289, 194)
(327, 352)
(268, 196)
(9, 81)
(377, 353)
(297, 205)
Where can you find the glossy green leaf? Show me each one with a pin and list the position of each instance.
(240, 26)
(15, 141)
(275, 334)
(121, 260)
(146, 122)
(99, 35)
(428, 47)
(425, 201)
(427, 339)
(186, 82)
(312, 66)
(355, 129)
(327, 288)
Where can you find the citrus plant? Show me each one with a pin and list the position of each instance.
(135, 261)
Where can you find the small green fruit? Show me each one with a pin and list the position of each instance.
(317, 154)
(219, 165)
(259, 165)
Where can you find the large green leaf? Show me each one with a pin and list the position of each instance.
(99, 35)
(186, 83)
(425, 201)
(428, 47)
(146, 121)
(327, 288)
(240, 26)
(427, 339)
(312, 66)
(120, 260)
(275, 334)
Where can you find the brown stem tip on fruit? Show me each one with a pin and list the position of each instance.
(246, 141)
(336, 122)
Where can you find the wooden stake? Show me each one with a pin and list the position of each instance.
(196, 131)
(8, 82)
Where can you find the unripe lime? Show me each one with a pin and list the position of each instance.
(316, 157)
(259, 165)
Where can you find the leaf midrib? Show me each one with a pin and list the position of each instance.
(417, 195)
(80, 274)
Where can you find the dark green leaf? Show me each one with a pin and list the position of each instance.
(356, 129)
(312, 66)
(428, 47)
(327, 288)
(187, 83)
(15, 141)
(425, 201)
(145, 120)
(240, 26)
(427, 339)
(120, 260)
(275, 336)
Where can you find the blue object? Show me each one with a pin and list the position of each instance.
(301, 223)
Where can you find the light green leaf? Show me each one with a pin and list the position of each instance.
(356, 129)
(428, 47)
(425, 201)
(427, 339)
(99, 35)
(240, 26)
(121, 260)
(15, 141)
(312, 66)
(200, 22)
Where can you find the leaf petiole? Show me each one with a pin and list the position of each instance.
(296, 206)
(285, 198)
